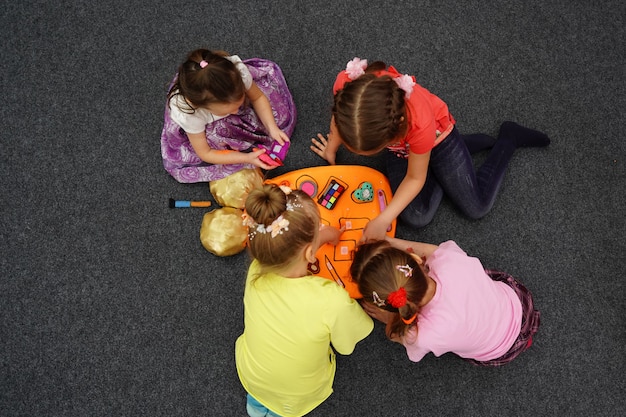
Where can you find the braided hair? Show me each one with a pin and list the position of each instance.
(370, 111)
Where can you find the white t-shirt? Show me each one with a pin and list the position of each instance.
(196, 122)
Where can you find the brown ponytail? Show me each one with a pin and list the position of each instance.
(381, 271)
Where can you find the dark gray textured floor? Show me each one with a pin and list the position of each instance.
(109, 305)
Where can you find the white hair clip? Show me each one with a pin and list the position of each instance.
(405, 269)
(285, 189)
(292, 206)
(276, 228)
(377, 300)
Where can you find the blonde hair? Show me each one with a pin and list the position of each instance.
(375, 270)
(279, 251)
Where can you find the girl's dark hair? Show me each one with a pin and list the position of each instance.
(264, 205)
(218, 82)
(374, 269)
(370, 111)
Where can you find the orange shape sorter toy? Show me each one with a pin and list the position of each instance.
(348, 196)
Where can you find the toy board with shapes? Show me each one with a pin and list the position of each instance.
(348, 196)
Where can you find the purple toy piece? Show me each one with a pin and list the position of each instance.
(275, 153)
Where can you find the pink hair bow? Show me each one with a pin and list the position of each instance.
(406, 83)
(356, 68)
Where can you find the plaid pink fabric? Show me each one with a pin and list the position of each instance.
(530, 321)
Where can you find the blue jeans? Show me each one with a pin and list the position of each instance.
(451, 171)
(256, 409)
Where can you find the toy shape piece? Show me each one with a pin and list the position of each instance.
(365, 193)
(309, 188)
(275, 153)
(328, 199)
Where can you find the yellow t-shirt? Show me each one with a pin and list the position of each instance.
(283, 357)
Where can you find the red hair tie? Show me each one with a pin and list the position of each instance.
(397, 298)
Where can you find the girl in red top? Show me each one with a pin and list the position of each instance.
(375, 107)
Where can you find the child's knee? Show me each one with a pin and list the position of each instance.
(416, 220)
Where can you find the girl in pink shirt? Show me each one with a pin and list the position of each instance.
(438, 299)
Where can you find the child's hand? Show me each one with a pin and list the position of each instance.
(253, 158)
(375, 229)
(330, 234)
(321, 148)
(278, 135)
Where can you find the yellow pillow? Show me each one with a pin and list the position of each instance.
(222, 232)
(231, 191)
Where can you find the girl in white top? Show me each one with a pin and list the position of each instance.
(216, 115)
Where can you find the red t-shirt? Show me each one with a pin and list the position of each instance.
(428, 115)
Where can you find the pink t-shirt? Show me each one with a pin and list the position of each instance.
(470, 314)
(429, 116)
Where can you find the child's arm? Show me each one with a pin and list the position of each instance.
(377, 313)
(423, 250)
(409, 188)
(217, 156)
(329, 234)
(381, 315)
(263, 109)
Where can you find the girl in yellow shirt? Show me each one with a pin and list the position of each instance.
(284, 356)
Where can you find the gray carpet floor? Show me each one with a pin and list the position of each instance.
(110, 306)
